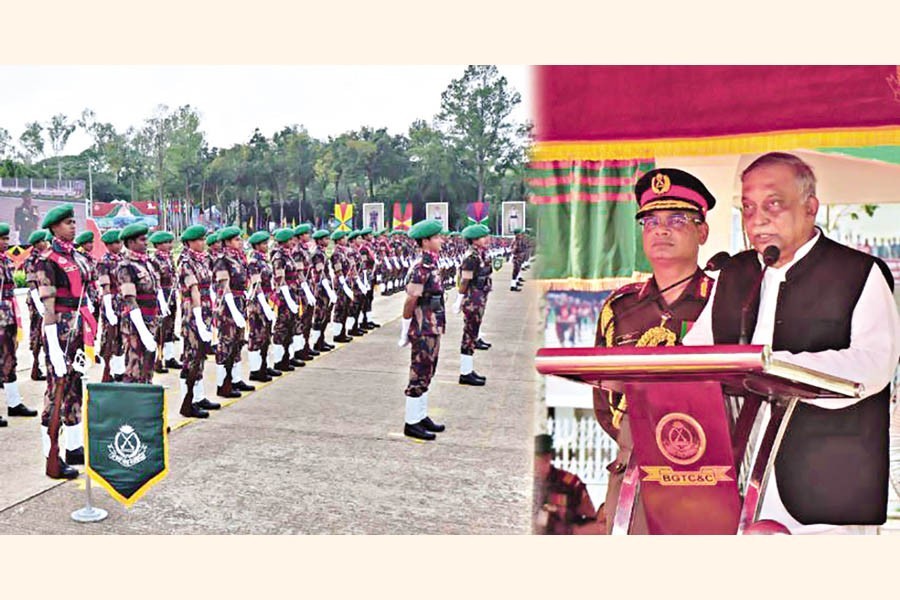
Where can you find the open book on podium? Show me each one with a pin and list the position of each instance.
(692, 411)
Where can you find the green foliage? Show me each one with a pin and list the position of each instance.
(19, 278)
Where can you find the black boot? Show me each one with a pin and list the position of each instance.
(482, 345)
(66, 472)
(188, 408)
(20, 410)
(343, 338)
(471, 379)
(429, 425)
(260, 375)
(3, 422)
(173, 364)
(244, 387)
(207, 405)
(159, 367)
(75, 457)
(226, 390)
(418, 432)
(284, 364)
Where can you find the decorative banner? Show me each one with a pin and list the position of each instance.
(587, 234)
(373, 215)
(604, 112)
(439, 211)
(118, 214)
(513, 217)
(477, 213)
(403, 215)
(343, 212)
(125, 436)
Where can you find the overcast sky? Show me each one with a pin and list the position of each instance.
(232, 101)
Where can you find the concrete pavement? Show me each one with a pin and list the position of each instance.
(321, 450)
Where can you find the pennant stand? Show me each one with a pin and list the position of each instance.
(89, 514)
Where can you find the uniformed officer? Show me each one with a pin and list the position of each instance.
(368, 262)
(165, 267)
(285, 278)
(39, 241)
(84, 243)
(672, 214)
(10, 322)
(424, 321)
(260, 315)
(62, 276)
(518, 257)
(474, 287)
(141, 305)
(341, 269)
(112, 349)
(325, 295)
(303, 325)
(231, 279)
(195, 283)
(213, 250)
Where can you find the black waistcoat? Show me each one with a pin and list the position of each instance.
(832, 466)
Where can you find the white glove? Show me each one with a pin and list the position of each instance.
(205, 334)
(163, 305)
(36, 299)
(346, 288)
(212, 295)
(404, 333)
(110, 313)
(235, 313)
(361, 285)
(396, 262)
(458, 304)
(310, 299)
(267, 310)
(292, 306)
(57, 358)
(138, 319)
(326, 283)
(90, 305)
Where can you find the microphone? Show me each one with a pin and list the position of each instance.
(770, 257)
(715, 263)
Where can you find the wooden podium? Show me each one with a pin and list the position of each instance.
(692, 410)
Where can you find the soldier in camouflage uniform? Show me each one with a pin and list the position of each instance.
(354, 271)
(165, 268)
(672, 212)
(231, 280)
(213, 251)
(474, 287)
(518, 256)
(141, 305)
(340, 268)
(369, 262)
(325, 295)
(84, 243)
(424, 321)
(195, 284)
(10, 322)
(39, 242)
(303, 325)
(285, 280)
(112, 349)
(260, 315)
(62, 277)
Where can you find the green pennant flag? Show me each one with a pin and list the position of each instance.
(587, 233)
(126, 439)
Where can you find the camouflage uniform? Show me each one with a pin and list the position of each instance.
(354, 260)
(35, 332)
(303, 323)
(8, 321)
(261, 274)
(93, 290)
(138, 285)
(567, 499)
(193, 270)
(53, 282)
(319, 272)
(165, 268)
(340, 268)
(476, 269)
(285, 274)
(427, 325)
(629, 319)
(518, 252)
(112, 344)
(231, 276)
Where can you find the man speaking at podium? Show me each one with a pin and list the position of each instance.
(823, 306)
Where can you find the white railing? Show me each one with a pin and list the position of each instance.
(65, 188)
(581, 446)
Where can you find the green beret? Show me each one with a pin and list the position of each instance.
(212, 238)
(353, 234)
(543, 444)
(194, 232)
(518, 230)
(284, 235)
(229, 233)
(134, 230)
(4, 229)
(320, 234)
(338, 234)
(426, 229)
(111, 236)
(365, 231)
(380, 232)
(473, 232)
(398, 232)
(38, 236)
(259, 237)
(160, 237)
(60, 213)
(303, 228)
(85, 237)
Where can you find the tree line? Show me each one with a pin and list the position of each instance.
(472, 150)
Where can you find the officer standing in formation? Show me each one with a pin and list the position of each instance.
(325, 295)
(112, 350)
(474, 287)
(260, 316)
(230, 273)
(672, 207)
(424, 321)
(39, 241)
(165, 267)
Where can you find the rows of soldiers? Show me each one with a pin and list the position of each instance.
(279, 301)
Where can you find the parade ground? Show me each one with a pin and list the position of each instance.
(321, 450)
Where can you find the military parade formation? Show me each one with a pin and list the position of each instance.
(275, 292)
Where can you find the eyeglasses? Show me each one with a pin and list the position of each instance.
(677, 222)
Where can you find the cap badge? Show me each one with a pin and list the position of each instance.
(660, 183)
